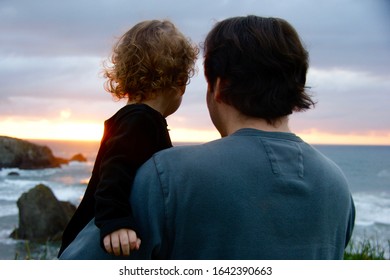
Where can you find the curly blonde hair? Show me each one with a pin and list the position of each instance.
(152, 56)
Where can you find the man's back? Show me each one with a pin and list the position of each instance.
(252, 195)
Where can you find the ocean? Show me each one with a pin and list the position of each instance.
(367, 169)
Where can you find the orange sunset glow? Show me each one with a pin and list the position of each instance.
(84, 131)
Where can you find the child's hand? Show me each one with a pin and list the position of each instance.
(121, 242)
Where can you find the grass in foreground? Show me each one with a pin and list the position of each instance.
(365, 250)
(27, 250)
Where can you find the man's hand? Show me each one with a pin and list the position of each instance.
(121, 242)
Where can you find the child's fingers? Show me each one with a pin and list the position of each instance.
(133, 240)
(138, 244)
(115, 244)
(107, 244)
(135, 244)
(121, 242)
(125, 242)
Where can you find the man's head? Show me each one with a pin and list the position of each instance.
(261, 64)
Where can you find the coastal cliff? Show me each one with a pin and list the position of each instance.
(18, 153)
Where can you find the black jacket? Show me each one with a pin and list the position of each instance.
(130, 137)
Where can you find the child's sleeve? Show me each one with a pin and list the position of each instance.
(132, 142)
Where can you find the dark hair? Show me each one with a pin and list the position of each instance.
(262, 66)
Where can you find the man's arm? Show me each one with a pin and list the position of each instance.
(147, 200)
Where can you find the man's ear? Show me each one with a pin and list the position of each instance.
(217, 90)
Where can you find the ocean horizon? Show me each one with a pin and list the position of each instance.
(366, 167)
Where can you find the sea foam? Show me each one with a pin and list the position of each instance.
(372, 209)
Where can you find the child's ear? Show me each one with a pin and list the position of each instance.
(183, 89)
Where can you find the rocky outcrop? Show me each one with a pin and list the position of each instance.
(78, 157)
(41, 216)
(25, 155)
(18, 153)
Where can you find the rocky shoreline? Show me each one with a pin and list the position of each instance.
(42, 217)
(18, 153)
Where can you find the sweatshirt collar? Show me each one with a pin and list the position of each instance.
(267, 134)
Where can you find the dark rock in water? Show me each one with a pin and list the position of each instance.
(17, 153)
(13, 173)
(41, 216)
(78, 157)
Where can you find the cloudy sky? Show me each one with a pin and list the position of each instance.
(51, 54)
